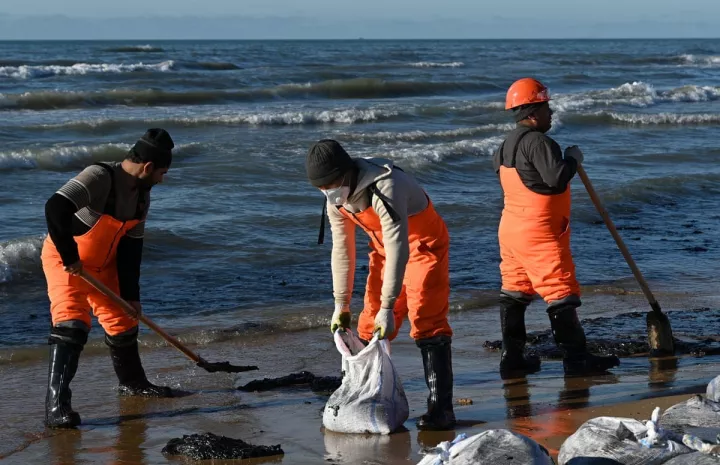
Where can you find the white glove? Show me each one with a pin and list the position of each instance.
(384, 323)
(575, 152)
(341, 317)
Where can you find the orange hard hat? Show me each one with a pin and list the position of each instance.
(526, 91)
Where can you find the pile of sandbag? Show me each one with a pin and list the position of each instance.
(371, 398)
(697, 414)
(686, 434)
(618, 439)
(492, 447)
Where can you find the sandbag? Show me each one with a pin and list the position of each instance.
(696, 458)
(699, 411)
(371, 398)
(617, 439)
(492, 447)
(592, 461)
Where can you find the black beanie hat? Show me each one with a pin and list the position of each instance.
(326, 161)
(155, 146)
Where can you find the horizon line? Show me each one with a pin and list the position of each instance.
(546, 39)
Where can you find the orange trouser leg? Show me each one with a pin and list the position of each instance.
(373, 292)
(112, 318)
(427, 280)
(67, 293)
(515, 280)
(538, 261)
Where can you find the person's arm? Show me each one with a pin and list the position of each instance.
(129, 257)
(343, 255)
(91, 184)
(395, 239)
(547, 158)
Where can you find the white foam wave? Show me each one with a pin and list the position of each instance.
(19, 256)
(636, 94)
(146, 47)
(430, 64)
(422, 154)
(700, 60)
(412, 136)
(666, 118)
(30, 72)
(313, 117)
(63, 157)
(347, 116)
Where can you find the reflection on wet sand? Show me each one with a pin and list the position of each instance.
(367, 448)
(64, 447)
(132, 432)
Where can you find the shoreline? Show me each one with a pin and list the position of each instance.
(545, 406)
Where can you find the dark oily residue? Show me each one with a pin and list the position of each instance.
(320, 384)
(625, 335)
(210, 446)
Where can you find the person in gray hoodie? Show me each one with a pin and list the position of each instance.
(408, 261)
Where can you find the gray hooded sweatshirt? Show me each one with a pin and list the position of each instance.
(405, 196)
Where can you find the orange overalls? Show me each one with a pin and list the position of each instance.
(71, 297)
(534, 236)
(426, 284)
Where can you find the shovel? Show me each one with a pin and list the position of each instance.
(224, 367)
(660, 337)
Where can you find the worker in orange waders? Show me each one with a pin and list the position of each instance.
(534, 235)
(96, 223)
(409, 272)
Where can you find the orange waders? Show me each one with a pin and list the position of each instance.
(426, 284)
(71, 297)
(534, 237)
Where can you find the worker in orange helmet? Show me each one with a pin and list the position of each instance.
(409, 261)
(534, 235)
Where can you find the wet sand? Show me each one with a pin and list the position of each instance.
(546, 406)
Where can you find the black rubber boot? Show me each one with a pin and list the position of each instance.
(437, 360)
(130, 372)
(61, 371)
(513, 361)
(570, 338)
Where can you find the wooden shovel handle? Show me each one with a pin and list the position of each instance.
(131, 311)
(621, 245)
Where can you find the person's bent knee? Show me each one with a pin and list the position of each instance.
(124, 339)
(73, 332)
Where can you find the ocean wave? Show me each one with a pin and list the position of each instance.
(636, 94)
(430, 64)
(361, 88)
(136, 48)
(663, 189)
(268, 118)
(671, 119)
(44, 71)
(418, 155)
(69, 157)
(700, 60)
(19, 257)
(414, 136)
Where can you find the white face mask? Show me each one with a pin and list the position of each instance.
(337, 195)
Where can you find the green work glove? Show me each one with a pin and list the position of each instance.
(341, 317)
(384, 323)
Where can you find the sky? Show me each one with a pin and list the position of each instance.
(371, 18)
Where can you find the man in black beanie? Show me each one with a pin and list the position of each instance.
(96, 223)
(409, 268)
